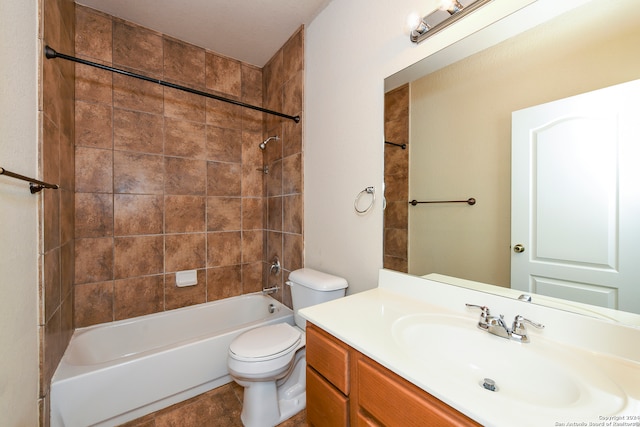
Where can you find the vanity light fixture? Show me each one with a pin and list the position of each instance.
(449, 12)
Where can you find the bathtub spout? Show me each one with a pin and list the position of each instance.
(271, 290)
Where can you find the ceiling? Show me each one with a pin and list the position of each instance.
(251, 31)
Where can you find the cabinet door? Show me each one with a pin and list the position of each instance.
(326, 406)
(328, 356)
(393, 401)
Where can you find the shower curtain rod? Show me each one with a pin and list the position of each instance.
(51, 53)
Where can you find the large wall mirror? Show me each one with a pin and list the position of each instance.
(456, 122)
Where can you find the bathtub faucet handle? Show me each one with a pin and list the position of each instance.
(275, 266)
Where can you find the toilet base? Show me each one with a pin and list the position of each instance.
(268, 403)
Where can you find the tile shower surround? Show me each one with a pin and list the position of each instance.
(56, 216)
(168, 181)
(396, 167)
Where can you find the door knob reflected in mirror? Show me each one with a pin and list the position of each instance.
(518, 248)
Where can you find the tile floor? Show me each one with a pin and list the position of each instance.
(219, 407)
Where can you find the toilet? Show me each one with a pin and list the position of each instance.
(269, 361)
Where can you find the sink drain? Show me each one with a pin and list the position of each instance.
(489, 384)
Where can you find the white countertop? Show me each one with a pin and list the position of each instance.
(365, 321)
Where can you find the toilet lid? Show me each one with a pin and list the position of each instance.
(265, 341)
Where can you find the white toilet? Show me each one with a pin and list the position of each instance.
(269, 361)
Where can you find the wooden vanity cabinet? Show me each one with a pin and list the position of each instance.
(328, 382)
(387, 399)
(345, 387)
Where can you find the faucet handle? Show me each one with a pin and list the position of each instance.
(484, 308)
(275, 266)
(482, 323)
(518, 330)
(519, 320)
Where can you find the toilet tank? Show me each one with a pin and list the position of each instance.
(311, 287)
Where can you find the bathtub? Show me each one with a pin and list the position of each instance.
(116, 372)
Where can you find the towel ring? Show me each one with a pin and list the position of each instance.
(368, 190)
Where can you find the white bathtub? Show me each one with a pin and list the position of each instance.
(116, 372)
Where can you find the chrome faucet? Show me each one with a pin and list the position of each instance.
(496, 325)
(272, 290)
(275, 270)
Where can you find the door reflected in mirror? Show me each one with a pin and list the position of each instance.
(457, 126)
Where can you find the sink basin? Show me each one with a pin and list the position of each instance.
(540, 376)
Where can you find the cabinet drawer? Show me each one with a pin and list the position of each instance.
(329, 357)
(394, 401)
(326, 406)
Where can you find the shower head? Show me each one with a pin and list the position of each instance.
(263, 144)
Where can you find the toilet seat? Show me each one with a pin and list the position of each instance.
(265, 343)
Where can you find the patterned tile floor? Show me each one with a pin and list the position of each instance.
(220, 407)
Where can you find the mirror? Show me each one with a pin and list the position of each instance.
(466, 108)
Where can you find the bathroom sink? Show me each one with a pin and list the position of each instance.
(540, 376)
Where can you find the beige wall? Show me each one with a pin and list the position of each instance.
(461, 132)
(18, 217)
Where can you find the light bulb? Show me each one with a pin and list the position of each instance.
(413, 21)
(416, 24)
(451, 6)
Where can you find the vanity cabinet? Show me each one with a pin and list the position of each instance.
(328, 382)
(345, 387)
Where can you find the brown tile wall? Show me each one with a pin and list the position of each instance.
(168, 181)
(283, 91)
(396, 178)
(56, 261)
